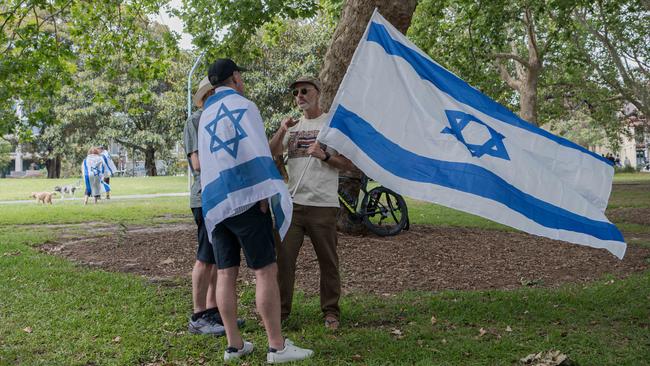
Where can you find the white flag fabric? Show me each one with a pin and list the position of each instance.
(421, 131)
(237, 169)
(93, 166)
(108, 163)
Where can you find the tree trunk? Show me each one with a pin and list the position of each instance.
(353, 22)
(528, 96)
(53, 166)
(150, 161)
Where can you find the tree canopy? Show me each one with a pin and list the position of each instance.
(79, 65)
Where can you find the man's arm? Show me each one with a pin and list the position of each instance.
(276, 140)
(194, 159)
(339, 162)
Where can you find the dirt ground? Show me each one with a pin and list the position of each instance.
(424, 258)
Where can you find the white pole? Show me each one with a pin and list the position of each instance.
(295, 189)
(189, 111)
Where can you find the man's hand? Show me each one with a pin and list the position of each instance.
(287, 123)
(316, 151)
(264, 206)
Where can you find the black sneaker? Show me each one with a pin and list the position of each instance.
(205, 325)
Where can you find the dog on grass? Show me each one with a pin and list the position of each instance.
(45, 197)
(67, 190)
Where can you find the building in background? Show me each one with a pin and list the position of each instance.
(634, 150)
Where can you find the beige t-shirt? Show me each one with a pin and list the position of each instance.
(319, 186)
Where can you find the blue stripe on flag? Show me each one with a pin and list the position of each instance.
(86, 179)
(231, 180)
(276, 206)
(217, 97)
(459, 89)
(107, 165)
(463, 177)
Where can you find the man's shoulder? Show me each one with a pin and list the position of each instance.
(196, 117)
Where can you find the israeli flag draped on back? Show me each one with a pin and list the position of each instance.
(420, 130)
(236, 165)
(108, 162)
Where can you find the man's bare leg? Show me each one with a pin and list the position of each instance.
(202, 281)
(211, 295)
(267, 297)
(227, 302)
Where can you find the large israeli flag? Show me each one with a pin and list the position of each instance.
(422, 131)
(237, 169)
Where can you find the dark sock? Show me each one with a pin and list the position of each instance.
(196, 316)
(273, 350)
(233, 349)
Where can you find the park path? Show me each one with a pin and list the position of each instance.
(116, 198)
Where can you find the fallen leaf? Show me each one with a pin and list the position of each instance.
(548, 358)
(396, 332)
(357, 358)
(167, 261)
(508, 329)
(27, 329)
(481, 332)
(117, 339)
(433, 320)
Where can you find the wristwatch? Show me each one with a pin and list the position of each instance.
(327, 156)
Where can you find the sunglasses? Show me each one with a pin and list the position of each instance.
(302, 91)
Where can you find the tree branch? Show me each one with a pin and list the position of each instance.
(505, 75)
(511, 56)
(130, 144)
(534, 58)
(10, 15)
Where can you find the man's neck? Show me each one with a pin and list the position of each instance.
(312, 113)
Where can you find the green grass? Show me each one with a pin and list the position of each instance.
(20, 189)
(53, 312)
(631, 177)
(431, 214)
(137, 211)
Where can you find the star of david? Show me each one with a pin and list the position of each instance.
(493, 146)
(234, 132)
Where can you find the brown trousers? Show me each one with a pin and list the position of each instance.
(319, 223)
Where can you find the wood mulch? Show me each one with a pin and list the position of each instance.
(424, 258)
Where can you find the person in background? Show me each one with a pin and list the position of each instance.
(91, 170)
(109, 170)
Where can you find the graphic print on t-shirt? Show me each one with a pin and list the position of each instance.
(299, 142)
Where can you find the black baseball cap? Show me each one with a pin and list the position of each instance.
(222, 69)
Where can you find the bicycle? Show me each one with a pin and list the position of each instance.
(382, 211)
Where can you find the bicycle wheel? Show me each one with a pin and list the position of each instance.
(384, 211)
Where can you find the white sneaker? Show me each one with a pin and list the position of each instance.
(290, 353)
(233, 353)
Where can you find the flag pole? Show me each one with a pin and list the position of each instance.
(189, 111)
(301, 176)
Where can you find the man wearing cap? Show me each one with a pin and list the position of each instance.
(205, 318)
(315, 203)
(235, 192)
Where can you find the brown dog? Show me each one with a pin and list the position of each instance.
(45, 197)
